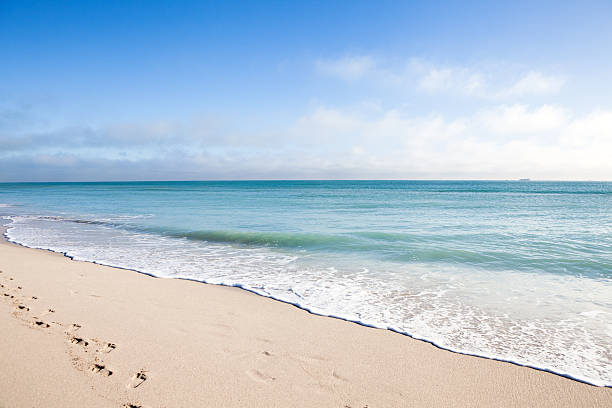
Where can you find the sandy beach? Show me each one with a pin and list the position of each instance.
(80, 334)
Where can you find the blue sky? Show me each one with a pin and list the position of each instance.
(284, 90)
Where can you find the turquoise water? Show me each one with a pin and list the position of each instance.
(518, 271)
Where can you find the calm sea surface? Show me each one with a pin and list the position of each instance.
(518, 271)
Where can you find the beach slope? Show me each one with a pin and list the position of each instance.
(79, 334)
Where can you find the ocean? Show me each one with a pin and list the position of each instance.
(519, 271)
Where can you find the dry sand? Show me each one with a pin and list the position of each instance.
(76, 334)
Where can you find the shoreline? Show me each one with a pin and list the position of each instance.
(4, 235)
(307, 355)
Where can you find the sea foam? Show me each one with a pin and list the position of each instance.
(527, 318)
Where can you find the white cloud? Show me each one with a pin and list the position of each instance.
(432, 78)
(487, 85)
(347, 68)
(535, 83)
(545, 142)
(494, 83)
(520, 119)
(437, 79)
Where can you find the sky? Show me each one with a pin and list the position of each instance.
(151, 90)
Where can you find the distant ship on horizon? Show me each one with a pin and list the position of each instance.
(525, 179)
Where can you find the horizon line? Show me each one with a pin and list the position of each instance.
(524, 180)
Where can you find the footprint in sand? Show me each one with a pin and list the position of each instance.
(48, 312)
(42, 324)
(338, 376)
(108, 347)
(137, 379)
(80, 341)
(259, 376)
(100, 369)
(24, 308)
(72, 328)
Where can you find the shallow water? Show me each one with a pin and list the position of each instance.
(519, 271)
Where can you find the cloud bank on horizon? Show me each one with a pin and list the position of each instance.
(242, 92)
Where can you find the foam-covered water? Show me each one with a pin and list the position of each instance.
(514, 271)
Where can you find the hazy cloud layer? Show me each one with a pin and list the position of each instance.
(503, 141)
